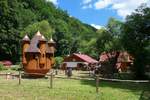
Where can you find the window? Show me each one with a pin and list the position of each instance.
(38, 45)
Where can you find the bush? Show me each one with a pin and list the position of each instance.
(124, 76)
(17, 63)
(58, 61)
(2, 67)
(15, 67)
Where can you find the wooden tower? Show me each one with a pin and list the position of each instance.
(37, 55)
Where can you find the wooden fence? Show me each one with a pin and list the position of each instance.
(20, 74)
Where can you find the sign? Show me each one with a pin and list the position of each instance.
(72, 64)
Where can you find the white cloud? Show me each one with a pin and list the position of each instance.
(53, 1)
(102, 4)
(86, 4)
(123, 7)
(97, 26)
(87, 1)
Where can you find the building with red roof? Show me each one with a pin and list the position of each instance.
(123, 59)
(78, 60)
(6, 63)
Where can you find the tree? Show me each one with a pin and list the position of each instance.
(58, 62)
(114, 27)
(9, 30)
(108, 38)
(88, 47)
(136, 39)
(42, 26)
(103, 42)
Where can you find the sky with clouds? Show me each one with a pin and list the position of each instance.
(97, 12)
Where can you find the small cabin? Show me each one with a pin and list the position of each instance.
(79, 61)
(37, 54)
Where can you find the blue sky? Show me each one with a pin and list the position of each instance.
(98, 12)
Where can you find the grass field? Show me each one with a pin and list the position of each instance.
(71, 89)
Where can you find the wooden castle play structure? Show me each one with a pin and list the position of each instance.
(37, 54)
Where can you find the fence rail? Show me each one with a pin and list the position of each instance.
(20, 74)
(51, 76)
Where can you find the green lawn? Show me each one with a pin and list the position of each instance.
(70, 89)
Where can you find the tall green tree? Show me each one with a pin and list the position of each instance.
(109, 38)
(114, 27)
(42, 26)
(103, 42)
(9, 29)
(136, 39)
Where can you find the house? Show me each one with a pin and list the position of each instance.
(37, 54)
(124, 61)
(78, 61)
(121, 60)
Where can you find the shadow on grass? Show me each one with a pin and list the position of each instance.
(84, 73)
(33, 77)
(144, 88)
(145, 95)
(121, 85)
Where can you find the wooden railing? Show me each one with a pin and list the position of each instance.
(20, 74)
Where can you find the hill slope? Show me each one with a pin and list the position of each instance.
(19, 17)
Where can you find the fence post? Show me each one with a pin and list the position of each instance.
(19, 77)
(97, 83)
(6, 76)
(51, 80)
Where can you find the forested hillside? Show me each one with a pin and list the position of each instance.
(20, 17)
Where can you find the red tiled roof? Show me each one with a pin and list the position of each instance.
(103, 58)
(123, 57)
(6, 63)
(86, 58)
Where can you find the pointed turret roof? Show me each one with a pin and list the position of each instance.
(42, 38)
(51, 41)
(38, 33)
(34, 44)
(35, 41)
(39, 36)
(26, 38)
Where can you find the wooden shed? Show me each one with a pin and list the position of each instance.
(37, 54)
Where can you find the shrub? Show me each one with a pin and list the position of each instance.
(2, 67)
(15, 67)
(58, 61)
(124, 76)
